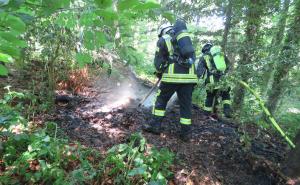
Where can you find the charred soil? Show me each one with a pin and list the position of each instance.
(216, 154)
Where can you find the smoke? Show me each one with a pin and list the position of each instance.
(130, 93)
(121, 94)
(150, 100)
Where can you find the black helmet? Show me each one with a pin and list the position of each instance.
(206, 47)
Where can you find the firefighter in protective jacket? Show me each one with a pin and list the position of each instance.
(214, 65)
(177, 74)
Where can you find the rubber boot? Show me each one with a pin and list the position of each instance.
(185, 132)
(227, 111)
(154, 126)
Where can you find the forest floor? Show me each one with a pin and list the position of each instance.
(107, 114)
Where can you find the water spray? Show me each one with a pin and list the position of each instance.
(150, 92)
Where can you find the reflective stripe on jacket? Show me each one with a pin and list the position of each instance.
(176, 73)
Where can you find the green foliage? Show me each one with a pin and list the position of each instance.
(5, 58)
(3, 70)
(199, 94)
(135, 163)
(35, 157)
(114, 25)
(103, 3)
(291, 122)
(60, 35)
(24, 102)
(98, 23)
(11, 28)
(169, 16)
(32, 155)
(83, 58)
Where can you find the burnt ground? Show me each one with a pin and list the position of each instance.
(106, 114)
(216, 154)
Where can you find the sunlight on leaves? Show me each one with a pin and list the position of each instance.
(3, 70)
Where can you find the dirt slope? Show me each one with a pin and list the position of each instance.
(107, 115)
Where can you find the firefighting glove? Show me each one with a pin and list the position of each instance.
(158, 74)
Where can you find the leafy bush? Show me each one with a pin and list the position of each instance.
(25, 102)
(36, 156)
(291, 123)
(199, 94)
(32, 156)
(136, 163)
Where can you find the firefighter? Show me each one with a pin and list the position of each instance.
(214, 65)
(177, 75)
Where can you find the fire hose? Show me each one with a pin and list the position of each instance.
(267, 112)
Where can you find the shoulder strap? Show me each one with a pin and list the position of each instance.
(207, 61)
(168, 40)
(181, 34)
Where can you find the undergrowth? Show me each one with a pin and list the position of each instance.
(36, 155)
(135, 163)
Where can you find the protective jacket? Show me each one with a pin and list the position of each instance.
(168, 65)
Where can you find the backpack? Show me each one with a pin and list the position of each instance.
(182, 43)
(218, 58)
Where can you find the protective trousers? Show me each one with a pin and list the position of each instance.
(212, 96)
(184, 94)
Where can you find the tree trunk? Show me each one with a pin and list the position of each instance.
(276, 42)
(253, 18)
(227, 25)
(288, 60)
